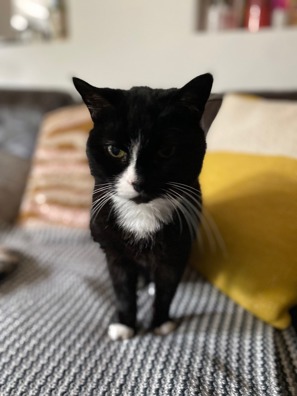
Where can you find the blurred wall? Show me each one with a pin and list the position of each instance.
(5, 13)
(120, 43)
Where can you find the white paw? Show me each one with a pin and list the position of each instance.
(118, 331)
(165, 328)
(151, 289)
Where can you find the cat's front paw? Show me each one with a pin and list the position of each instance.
(118, 331)
(165, 328)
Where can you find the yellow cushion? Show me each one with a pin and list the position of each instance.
(252, 199)
(249, 187)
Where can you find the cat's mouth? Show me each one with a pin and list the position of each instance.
(141, 198)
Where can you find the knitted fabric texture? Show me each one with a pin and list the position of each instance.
(55, 310)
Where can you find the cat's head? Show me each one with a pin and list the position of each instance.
(145, 138)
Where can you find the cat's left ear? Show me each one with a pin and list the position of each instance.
(96, 99)
(196, 93)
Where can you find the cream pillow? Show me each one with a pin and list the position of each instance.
(249, 124)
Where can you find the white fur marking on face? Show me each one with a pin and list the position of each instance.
(124, 187)
(142, 219)
(118, 331)
(165, 328)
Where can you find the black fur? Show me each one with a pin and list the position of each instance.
(168, 121)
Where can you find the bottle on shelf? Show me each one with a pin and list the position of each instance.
(257, 16)
(279, 13)
(224, 15)
(292, 12)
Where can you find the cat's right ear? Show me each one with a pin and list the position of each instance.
(196, 93)
(96, 99)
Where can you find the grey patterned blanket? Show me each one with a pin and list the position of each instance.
(55, 309)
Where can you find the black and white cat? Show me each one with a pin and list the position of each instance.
(145, 153)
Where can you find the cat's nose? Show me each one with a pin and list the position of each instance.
(138, 186)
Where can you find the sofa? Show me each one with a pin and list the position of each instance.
(55, 306)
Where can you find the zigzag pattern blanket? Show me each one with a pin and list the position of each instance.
(55, 309)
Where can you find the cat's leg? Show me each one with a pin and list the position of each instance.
(124, 279)
(167, 278)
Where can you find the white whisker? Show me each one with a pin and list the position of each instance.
(204, 223)
(174, 203)
(187, 212)
(99, 205)
(183, 186)
(105, 192)
(103, 188)
(97, 202)
(216, 232)
(200, 240)
(209, 234)
(214, 237)
(189, 204)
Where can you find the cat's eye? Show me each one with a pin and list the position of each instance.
(116, 152)
(166, 152)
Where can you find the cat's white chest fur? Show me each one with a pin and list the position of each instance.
(144, 219)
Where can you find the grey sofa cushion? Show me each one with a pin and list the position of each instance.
(40, 100)
(55, 309)
(21, 113)
(18, 130)
(13, 178)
